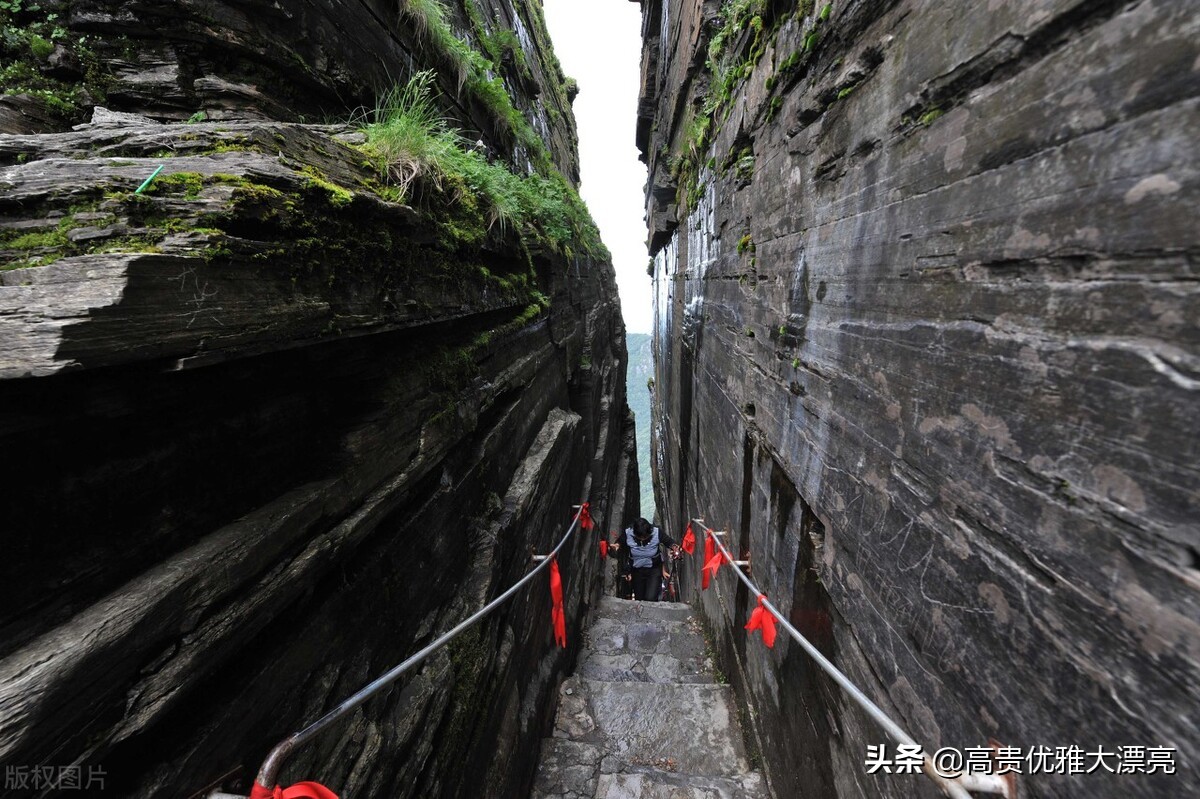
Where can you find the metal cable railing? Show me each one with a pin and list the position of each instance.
(955, 787)
(269, 773)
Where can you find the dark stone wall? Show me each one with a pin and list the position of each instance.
(926, 343)
(296, 436)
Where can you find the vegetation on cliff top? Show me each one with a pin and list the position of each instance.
(419, 155)
(478, 76)
(746, 27)
(474, 200)
(41, 59)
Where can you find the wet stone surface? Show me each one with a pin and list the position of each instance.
(643, 717)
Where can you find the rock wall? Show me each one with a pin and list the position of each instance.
(302, 60)
(268, 431)
(926, 343)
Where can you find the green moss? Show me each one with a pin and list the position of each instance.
(216, 252)
(741, 164)
(233, 147)
(746, 245)
(126, 244)
(930, 116)
(826, 10)
(250, 193)
(37, 240)
(774, 107)
(846, 91)
(531, 312)
(190, 184)
(338, 196)
(41, 48)
(43, 247)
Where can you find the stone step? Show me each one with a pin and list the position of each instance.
(576, 770)
(691, 728)
(666, 785)
(611, 607)
(642, 717)
(658, 669)
(645, 651)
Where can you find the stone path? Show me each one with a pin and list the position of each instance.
(643, 716)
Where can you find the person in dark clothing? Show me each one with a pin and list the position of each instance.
(641, 559)
(616, 548)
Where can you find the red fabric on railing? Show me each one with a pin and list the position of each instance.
(764, 620)
(585, 518)
(301, 790)
(708, 555)
(689, 540)
(557, 614)
(714, 563)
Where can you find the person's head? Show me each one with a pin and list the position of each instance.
(642, 530)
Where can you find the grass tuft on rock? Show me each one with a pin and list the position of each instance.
(476, 74)
(417, 152)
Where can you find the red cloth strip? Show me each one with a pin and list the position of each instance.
(603, 549)
(764, 620)
(585, 518)
(713, 564)
(557, 614)
(689, 540)
(301, 790)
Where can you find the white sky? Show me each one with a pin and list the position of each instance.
(599, 43)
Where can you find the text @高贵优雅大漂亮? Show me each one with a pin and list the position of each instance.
(54, 778)
(950, 762)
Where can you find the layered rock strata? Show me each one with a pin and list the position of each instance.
(269, 430)
(305, 60)
(926, 343)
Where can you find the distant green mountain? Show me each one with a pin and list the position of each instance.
(641, 369)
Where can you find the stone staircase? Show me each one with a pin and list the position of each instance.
(643, 716)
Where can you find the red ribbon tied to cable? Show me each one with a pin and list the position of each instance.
(557, 614)
(585, 517)
(689, 540)
(301, 790)
(711, 567)
(764, 620)
(708, 556)
(603, 549)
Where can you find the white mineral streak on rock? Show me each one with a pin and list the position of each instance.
(1155, 184)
